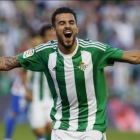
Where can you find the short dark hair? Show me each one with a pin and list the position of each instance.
(44, 28)
(60, 11)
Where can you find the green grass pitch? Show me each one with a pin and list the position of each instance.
(24, 132)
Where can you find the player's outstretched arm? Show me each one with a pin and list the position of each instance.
(8, 63)
(132, 57)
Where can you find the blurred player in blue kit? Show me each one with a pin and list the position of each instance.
(18, 102)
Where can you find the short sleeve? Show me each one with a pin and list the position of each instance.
(31, 60)
(110, 56)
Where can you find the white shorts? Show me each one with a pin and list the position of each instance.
(39, 115)
(72, 135)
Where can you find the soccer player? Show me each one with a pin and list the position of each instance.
(75, 73)
(18, 103)
(41, 100)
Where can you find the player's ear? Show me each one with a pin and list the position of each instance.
(77, 29)
(54, 30)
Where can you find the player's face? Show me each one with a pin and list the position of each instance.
(49, 35)
(66, 29)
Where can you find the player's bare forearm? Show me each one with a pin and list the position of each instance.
(132, 57)
(8, 63)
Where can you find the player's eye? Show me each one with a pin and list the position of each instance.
(71, 22)
(61, 22)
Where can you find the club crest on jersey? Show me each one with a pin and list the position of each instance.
(82, 66)
(28, 53)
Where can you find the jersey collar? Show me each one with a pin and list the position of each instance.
(72, 54)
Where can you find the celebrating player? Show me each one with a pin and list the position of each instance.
(74, 69)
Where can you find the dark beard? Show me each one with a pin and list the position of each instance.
(62, 43)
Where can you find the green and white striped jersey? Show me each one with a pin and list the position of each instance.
(76, 81)
(39, 87)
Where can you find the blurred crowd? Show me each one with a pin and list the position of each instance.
(116, 23)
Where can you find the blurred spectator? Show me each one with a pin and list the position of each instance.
(123, 116)
(8, 9)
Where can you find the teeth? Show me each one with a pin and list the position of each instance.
(68, 32)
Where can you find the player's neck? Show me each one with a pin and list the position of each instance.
(68, 50)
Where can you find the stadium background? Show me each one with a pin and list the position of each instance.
(114, 22)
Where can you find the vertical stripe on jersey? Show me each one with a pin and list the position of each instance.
(51, 86)
(71, 93)
(60, 77)
(92, 103)
(52, 67)
(81, 95)
(41, 86)
(101, 97)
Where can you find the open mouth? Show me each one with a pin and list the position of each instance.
(68, 34)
